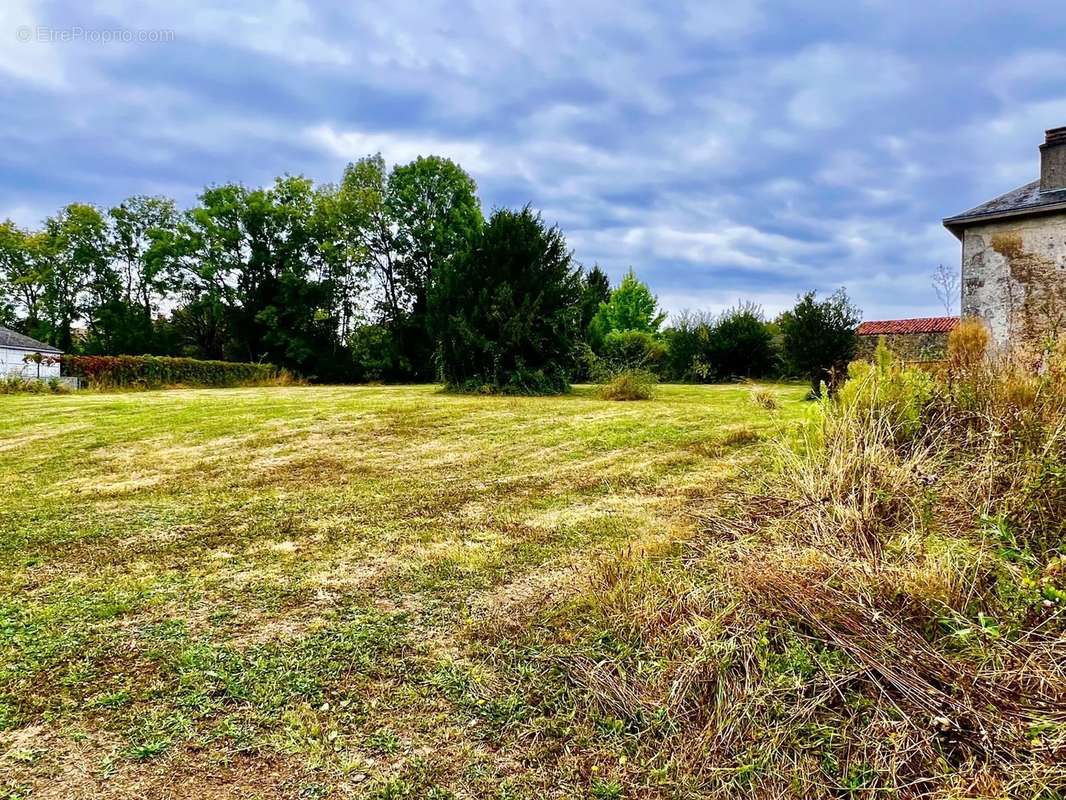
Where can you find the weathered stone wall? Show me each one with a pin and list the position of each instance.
(907, 346)
(1014, 277)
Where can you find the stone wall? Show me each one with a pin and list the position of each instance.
(907, 346)
(1014, 277)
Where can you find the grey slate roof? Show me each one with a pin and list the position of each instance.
(1023, 201)
(17, 341)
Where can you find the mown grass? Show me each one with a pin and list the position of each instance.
(307, 591)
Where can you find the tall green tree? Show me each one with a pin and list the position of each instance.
(631, 307)
(136, 223)
(363, 213)
(819, 337)
(506, 312)
(595, 291)
(433, 205)
(78, 275)
(22, 278)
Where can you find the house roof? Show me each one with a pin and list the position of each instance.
(1024, 201)
(17, 341)
(887, 327)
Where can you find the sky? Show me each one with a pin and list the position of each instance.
(727, 150)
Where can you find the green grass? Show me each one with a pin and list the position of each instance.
(273, 590)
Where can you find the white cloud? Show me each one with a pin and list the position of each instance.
(284, 29)
(831, 83)
(397, 148)
(22, 56)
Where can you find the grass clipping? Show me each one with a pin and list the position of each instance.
(884, 617)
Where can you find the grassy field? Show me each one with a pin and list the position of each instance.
(330, 592)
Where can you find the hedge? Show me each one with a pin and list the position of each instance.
(153, 372)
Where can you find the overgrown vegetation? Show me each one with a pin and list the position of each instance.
(885, 615)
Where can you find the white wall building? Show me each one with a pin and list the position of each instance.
(16, 350)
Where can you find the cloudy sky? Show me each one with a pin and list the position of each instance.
(727, 149)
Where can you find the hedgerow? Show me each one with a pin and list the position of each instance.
(153, 372)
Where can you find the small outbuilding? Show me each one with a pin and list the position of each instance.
(921, 339)
(18, 356)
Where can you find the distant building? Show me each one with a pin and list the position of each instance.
(1014, 254)
(17, 352)
(924, 339)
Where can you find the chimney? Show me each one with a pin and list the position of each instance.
(1053, 160)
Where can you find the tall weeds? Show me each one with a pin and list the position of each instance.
(884, 618)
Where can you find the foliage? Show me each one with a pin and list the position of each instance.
(819, 337)
(631, 307)
(159, 371)
(630, 384)
(739, 344)
(687, 341)
(506, 311)
(595, 291)
(282, 273)
(884, 387)
(375, 355)
(632, 350)
(16, 384)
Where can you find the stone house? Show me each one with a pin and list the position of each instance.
(1014, 254)
(924, 339)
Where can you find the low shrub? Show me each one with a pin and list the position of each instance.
(630, 384)
(14, 384)
(153, 372)
(632, 350)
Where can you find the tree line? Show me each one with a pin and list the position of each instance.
(387, 274)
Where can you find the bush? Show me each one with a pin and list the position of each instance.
(506, 312)
(632, 350)
(630, 384)
(687, 341)
(15, 384)
(153, 372)
(739, 344)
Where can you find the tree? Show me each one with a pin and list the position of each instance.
(136, 223)
(595, 291)
(688, 339)
(433, 205)
(364, 217)
(946, 286)
(22, 277)
(631, 307)
(433, 209)
(819, 337)
(76, 252)
(505, 312)
(739, 343)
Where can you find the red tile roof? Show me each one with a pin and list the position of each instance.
(895, 326)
